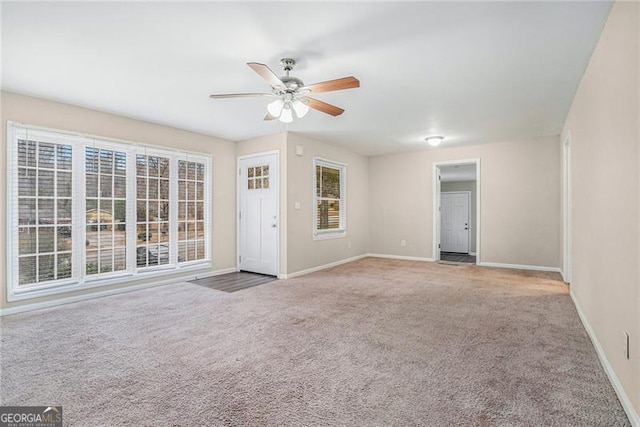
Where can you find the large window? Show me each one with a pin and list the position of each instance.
(330, 199)
(87, 212)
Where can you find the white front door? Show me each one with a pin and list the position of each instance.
(455, 222)
(258, 209)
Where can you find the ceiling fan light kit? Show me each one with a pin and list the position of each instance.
(291, 94)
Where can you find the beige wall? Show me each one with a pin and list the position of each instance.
(519, 201)
(469, 186)
(604, 125)
(55, 115)
(304, 252)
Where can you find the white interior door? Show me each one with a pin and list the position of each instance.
(258, 209)
(455, 222)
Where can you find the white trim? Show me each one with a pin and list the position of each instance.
(472, 253)
(321, 267)
(401, 257)
(634, 417)
(62, 301)
(519, 266)
(436, 204)
(566, 209)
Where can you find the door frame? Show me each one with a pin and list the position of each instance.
(238, 190)
(468, 194)
(566, 208)
(436, 202)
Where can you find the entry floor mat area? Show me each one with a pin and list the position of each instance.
(233, 282)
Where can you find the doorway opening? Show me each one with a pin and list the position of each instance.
(456, 214)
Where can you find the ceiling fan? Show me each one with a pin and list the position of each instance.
(291, 94)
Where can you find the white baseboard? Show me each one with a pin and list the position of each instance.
(83, 297)
(320, 267)
(520, 266)
(634, 418)
(401, 257)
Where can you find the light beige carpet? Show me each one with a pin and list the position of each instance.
(373, 342)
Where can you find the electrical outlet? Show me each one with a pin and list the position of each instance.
(403, 243)
(626, 345)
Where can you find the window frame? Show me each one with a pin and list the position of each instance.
(79, 280)
(341, 231)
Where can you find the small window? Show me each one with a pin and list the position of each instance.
(330, 199)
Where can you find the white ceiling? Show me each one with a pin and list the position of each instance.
(472, 71)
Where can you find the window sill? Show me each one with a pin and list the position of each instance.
(122, 279)
(320, 235)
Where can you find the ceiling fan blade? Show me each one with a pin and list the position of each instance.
(324, 107)
(266, 73)
(331, 85)
(269, 117)
(239, 95)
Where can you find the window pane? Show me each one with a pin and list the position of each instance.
(64, 238)
(141, 188)
(164, 211)
(27, 211)
(330, 182)
(119, 211)
(46, 183)
(64, 211)
(153, 166)
(91, 160)
(46, 239)
(106, 211)
(164, 189)
(46, 214)
(64, 266)
(46, 268)
(92, 185)
(119, 187)
(164, 167)
(106, 185)
(153, 189)
(46, 155)
(141, 165)
(26, 182)
(141, 211)
(119, 259)
(27, 270)
(64, 160)
(27, 240)
(64, 184)
(26, 153)
(328, 214)
(106, 162)
(106, 261)
(92, 262)
(120, 163)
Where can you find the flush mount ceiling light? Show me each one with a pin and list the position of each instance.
(434, 141)
(292, 94)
